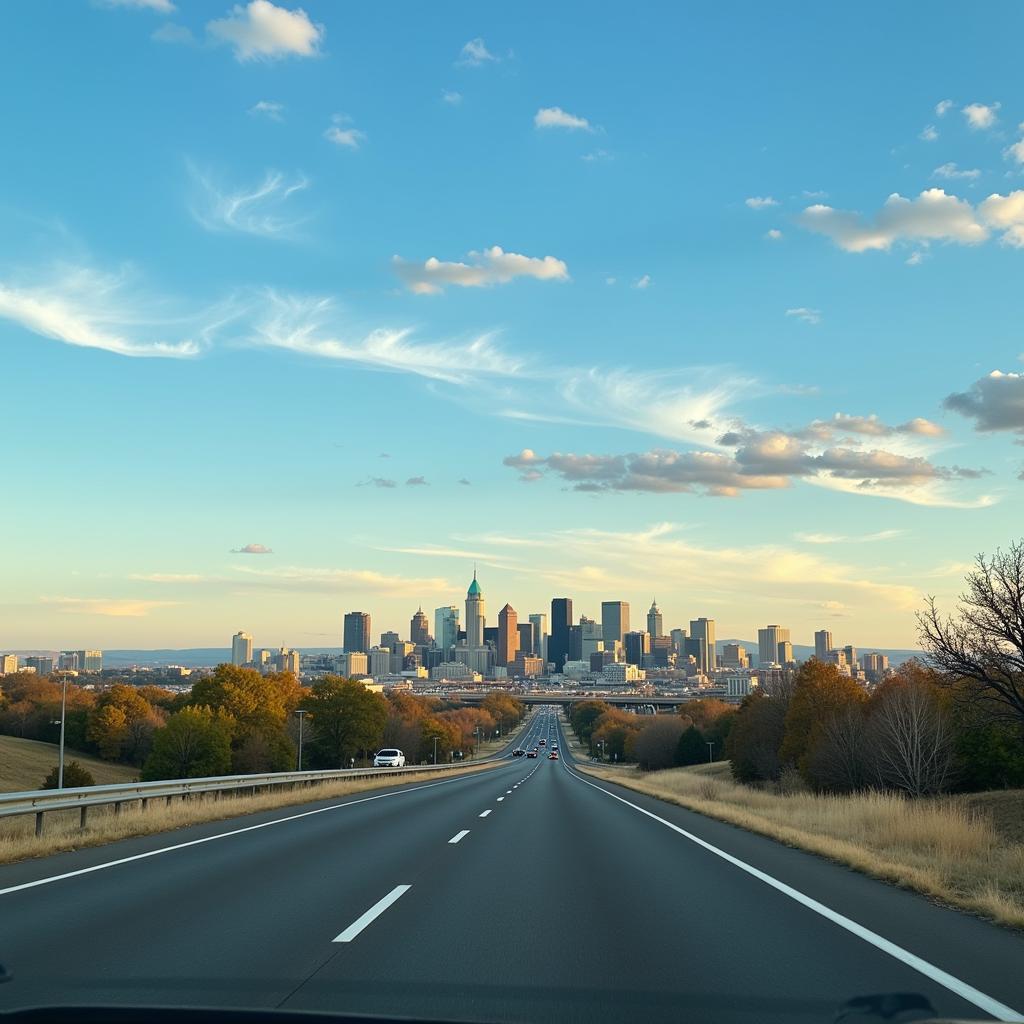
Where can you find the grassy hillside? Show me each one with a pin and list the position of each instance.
(24, 764)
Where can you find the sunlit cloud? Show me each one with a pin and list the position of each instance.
(491, 267)
(475, 54)
(117, 608)
(260, 30)
(252, 549)
(556, 117)
(333, 581)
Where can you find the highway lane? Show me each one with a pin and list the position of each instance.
(556, 899)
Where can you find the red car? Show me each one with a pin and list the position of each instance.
(553, 756)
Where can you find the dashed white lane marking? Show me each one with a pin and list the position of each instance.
(508, 792)
(484, 815)
(372, 914)
(500, 798)
(458, 837)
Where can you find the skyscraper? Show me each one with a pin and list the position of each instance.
(508, 635)
(768, 640)
(558, 642)
(241, 649)
(679, 642)
(785, 652)
(614, 622)
(540, 634)
(356, 635)
(446, 627)
(526, 642)
(419, 629)
(822, 643)
(638, 644)
(475, 615)
(655, 622)
(704, 630)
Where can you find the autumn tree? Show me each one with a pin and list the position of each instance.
(432, 728)
(195, 743)
(657, 741)
(980, 649)
(616, 731)
(504, 709)
(347, 720)
(712, 718)
(755, 739)
(691, 748)
(584, 714)
(122, 724)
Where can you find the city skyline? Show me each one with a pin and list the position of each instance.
(755, 356)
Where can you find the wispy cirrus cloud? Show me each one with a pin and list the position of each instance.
(110, 607)
(160, 6)
(838, 538)
(334, 581)
(491, 267)
(474, 54)
(342, 133)
(87, 308)
(262, 31)
(805, 314)
(258, 209)
(270, 109)
(761, 202)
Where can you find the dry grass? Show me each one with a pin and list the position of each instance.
(25, 763)
(948, 849)
(61, 831)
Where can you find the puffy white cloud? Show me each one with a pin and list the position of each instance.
(995, 402)
(261, 30)
(475, 53)
(934, 215)
(928, 133)
(82, 307)
(943, 106)
(981, 115)
(808, 316)
(251, 210)
(952, 172)
(1015, 151)
(773, 234)
(268, 108)
(1006, 214)
(490, 267)
(556, 117)
(873, 426)
(761, 202)
(340, 135)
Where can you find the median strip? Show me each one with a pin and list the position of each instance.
(372, 914)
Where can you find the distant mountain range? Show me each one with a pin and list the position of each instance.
(198, 657)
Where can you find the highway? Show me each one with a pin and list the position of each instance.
(524, 892)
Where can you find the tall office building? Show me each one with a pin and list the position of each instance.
(655, 622)
(679, 642)
(540, 635)
(851, 655)
(446, 627)
(286, 661)
(638, 644)
(785, 653)
(419, 629)
(92, 661)
(704, 630)
(379, 661)
(68, 661)
(558, 641)
(526, 641)
(768, 640)
(614, 622)
(822, 643)
(476, 615)
(508, 635)
(8, 664)
(735, 656)
(241, 649)
(42, 664)
(390, 639)
(591, 638)
(357, 632)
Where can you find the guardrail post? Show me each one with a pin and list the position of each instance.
(117, 808)
(83, 814)
(145, 802)
(39, 823)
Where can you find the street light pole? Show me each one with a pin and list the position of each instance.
(300, 712)
(63, 718)
(435, 750)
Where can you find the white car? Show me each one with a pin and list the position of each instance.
(389, 757)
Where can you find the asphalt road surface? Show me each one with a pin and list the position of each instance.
(520, 893)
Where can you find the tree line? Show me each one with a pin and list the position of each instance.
(238, 721)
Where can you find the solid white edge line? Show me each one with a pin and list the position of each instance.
(226, 835)
(458, 837)
(485, 813)
(960, 988)
(372, 914)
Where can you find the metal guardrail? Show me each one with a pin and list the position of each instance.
(81, 798)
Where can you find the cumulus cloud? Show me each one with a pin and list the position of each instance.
(261, 30)
(773, 234)
(995, 402)
(808, 316)
(951, 171)
(490, 267)
(934, 215)
(474, 54)
(89, 309)
(556, 117)
(928, 133)
(980, 115)
(269, 109)
(309, 326)
(253, 549)
(1006, 214)
(340, 135)
(873, 426)
(942, 107)
(761, 202)
(260, 209)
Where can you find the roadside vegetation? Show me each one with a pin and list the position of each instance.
(919, 781)
(237, 721)
(25, 763)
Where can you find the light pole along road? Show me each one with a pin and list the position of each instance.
(600, 905)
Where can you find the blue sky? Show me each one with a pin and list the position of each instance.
(262, 265)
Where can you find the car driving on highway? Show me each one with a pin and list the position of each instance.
(389, 757)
